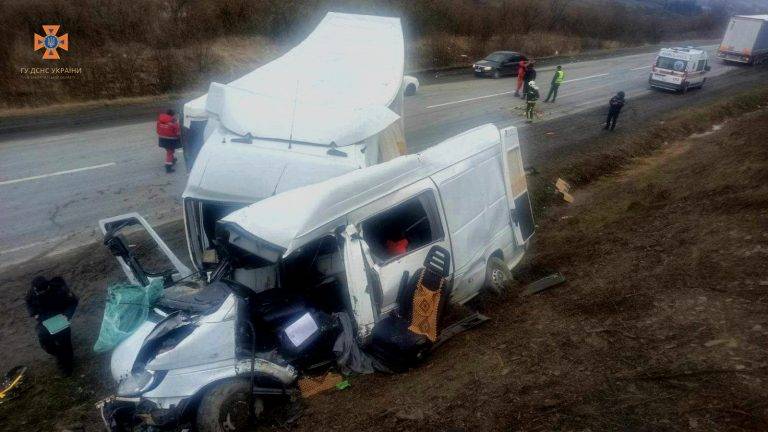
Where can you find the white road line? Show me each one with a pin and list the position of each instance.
(641, 67)
(34, 244)
(469, 100)
(7, 182)
(506, 93)
(586, 78)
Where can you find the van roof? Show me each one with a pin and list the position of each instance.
(291, 219)
(351, 61)
(681, 52)
(759, 17)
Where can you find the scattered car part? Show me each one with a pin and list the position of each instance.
(544, 284)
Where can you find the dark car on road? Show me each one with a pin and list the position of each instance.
(498, 64)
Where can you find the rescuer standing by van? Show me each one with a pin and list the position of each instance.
(521, 68)
(168, 132)
(557, 79)
(530, 75)
(531, 96)
(614, 109)
(52, 305)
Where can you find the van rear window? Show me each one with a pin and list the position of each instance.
(670, 63)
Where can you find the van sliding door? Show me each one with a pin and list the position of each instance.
(521, 213)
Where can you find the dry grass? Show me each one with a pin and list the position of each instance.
(150, 47)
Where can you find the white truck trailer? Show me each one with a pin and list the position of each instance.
(745, 40)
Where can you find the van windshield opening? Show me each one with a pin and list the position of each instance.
(403, 228)
(671, 63)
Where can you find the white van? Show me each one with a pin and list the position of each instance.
(315, 252)
(330, 105)
(679, 69)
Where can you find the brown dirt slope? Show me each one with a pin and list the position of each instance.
(661, 326)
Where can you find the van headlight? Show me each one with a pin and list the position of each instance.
(139, 382)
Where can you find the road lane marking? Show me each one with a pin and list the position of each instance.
(505, 93)
(35, 244)
(585, 78)
(641, 67)
(7, 182)
(469, 100)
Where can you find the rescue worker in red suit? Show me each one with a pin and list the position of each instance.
(521, 68)
(168, 137)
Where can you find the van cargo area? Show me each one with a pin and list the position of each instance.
(745, 40)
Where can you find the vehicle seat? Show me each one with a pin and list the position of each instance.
(193, 298)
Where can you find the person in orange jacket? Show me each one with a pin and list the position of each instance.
(168, 133)
(521, 68)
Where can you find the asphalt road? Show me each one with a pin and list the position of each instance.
(55, 187)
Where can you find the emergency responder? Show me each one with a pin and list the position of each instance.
(530, 75)
(557, 79)
(531, 96)
(614, 108)
(52, 305)
(168, 137)
(521, 68)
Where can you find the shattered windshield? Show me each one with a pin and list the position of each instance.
(671, 63)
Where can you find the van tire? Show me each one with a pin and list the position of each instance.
(410, 90)
(224, 407)
(497, 276)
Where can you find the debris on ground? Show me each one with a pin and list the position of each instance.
(12, 382)
(310, 386)
(544, 283)
(564, 188)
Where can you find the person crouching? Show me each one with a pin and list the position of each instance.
(168, 132)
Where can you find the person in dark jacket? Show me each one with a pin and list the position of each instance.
(531, 96)
(530, 75)
(52, 305)
(168, 132)
(614, 109)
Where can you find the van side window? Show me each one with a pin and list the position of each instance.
(700, 66)
(403, 228)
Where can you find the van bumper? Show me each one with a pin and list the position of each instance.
(733, 57)
(665, 85)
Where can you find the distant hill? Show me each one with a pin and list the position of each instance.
(691, 7)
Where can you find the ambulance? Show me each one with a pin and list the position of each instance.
(679, 69)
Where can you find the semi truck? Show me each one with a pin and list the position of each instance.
(745, 40)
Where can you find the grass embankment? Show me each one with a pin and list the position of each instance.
(151, 47)
(610, 152)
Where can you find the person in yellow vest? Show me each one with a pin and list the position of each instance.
(557, 79)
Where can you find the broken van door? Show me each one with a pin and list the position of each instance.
(362, 282)
(521, 213)
(114, 230)
(399, 229)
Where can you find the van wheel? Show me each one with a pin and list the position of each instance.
(497, 275)
(496, 74)
(410, 90)
(224, 407)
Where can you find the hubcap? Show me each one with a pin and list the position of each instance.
(497, 279)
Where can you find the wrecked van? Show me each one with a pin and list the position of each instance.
(305, 278)
(285, 125)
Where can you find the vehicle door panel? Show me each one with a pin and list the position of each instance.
(521, 213)
(111, 229)
(390, 269)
